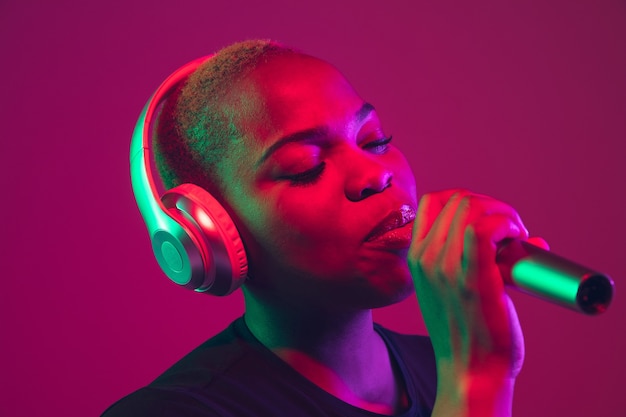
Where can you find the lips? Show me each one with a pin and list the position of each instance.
(394, 220)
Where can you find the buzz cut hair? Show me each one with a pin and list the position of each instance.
(193, 132)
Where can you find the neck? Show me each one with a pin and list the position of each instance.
(338, 350)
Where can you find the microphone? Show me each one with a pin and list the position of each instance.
(543, 274)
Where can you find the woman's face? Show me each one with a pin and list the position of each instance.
(325, 204)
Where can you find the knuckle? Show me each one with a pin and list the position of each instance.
(446, 269)
(470, 231)
(465, 202)
(468, 294)
(460, 193)
(424, 199)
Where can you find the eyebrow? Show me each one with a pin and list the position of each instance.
(312, 134)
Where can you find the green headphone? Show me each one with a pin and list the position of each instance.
(193, 238)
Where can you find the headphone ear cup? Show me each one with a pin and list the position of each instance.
(179, 252)
(217, 238)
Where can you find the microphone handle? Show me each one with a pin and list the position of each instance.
(543, 274)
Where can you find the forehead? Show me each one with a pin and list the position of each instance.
(290, 93)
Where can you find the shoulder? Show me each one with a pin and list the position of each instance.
(209, 361)
(154, 402)
(186, 388)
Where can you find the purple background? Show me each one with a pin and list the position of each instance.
(525, 102)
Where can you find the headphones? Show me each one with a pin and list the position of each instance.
(193, 238)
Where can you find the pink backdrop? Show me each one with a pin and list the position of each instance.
(523, 102)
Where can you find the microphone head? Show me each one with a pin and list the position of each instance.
(595, 293)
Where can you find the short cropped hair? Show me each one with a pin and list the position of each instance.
(193, 132)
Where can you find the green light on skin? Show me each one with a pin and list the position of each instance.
(545, 281)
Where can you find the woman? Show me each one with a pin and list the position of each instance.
(327, 210)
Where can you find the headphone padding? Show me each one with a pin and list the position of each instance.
(228, 266)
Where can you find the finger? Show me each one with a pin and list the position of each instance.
(472, 209)
(483, 284)
(538, 241)
(480, 240)
(485, 205)
(517, 355)
(428, 209)
(457, 206)
(448, 237)
(426, 253)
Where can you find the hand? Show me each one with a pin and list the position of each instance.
(472, 323)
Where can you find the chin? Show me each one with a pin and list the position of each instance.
(389, 288)
(395, 297)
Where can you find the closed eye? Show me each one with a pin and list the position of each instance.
(308, 177)
(379, 146)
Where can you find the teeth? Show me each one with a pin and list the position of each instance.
(408, 213)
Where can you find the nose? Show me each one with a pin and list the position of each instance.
(366, 177)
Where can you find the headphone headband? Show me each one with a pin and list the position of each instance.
(193, 238)
(148, 200)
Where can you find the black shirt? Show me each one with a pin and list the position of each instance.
(233, 374)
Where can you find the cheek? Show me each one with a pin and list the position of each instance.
(309, 232)
(403, 174)
(307, 218)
